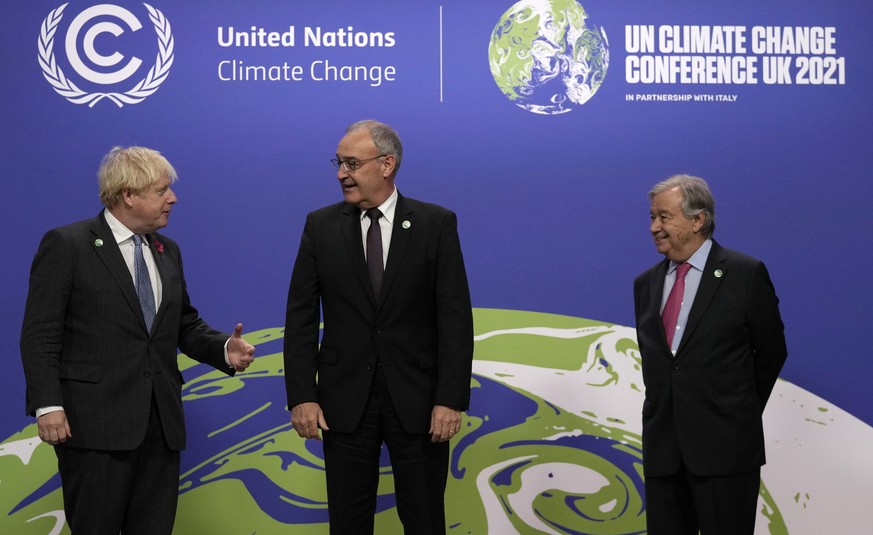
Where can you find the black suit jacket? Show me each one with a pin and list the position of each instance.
(84, 343)
(704, 405)
(420, 327)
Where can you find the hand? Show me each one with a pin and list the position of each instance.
(445, 422)
(53, 428)
(307, 419)
(239, 352)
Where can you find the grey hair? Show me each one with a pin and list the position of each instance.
(384, 137)
(696, 198)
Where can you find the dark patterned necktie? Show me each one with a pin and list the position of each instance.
(143, 283)
(374, 250)
(674, 302)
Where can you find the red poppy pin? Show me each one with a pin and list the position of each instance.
(159, 246)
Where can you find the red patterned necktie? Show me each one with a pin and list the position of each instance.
(674, 302)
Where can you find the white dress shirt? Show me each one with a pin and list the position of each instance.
(386, 225)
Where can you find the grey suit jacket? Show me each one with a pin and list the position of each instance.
(84, 343)
(704, 405)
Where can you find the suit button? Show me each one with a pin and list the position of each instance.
(146, 375)
(675, 369)
(378, 331)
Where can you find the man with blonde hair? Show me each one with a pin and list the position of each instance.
(107, 308)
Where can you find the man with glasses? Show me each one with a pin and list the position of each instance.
(394, 361)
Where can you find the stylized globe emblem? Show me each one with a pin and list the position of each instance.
(546, 57)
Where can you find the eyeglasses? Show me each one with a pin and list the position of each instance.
(351, 165)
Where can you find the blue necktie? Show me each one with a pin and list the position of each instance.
(143, 283)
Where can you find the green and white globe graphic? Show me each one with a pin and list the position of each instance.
(550, 445)
(547, 57)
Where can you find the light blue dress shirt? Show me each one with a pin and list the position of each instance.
(692, 283)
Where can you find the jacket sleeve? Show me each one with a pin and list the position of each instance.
(42, 331)
(454, 320)
(767, 333)
(302, 323)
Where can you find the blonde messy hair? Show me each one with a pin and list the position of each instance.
(131, 168)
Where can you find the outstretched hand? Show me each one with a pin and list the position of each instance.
(240, 353)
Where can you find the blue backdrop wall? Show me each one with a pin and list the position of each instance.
(544, 138)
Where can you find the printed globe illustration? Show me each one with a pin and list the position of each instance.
(550, 445)
(546, 57)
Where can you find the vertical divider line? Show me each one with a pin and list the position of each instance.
(441, 53)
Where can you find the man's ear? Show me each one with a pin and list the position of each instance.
(127, 197)
(388, 165)
(698, 222)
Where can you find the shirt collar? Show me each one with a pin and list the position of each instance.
(698, 259)
(119, 231)
(387, 208)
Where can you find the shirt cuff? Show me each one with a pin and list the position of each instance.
(45, 410)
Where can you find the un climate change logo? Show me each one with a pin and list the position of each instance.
(87, 30)
(546, 57)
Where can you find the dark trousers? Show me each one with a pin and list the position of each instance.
(684, 503)
(352, 468)
(130, 492)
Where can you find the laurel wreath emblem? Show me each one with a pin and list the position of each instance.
(68, 89)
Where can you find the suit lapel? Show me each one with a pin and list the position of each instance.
(163, 272)
(657, 295)
(350, 227)
(709, 284)
(403, 225)
(110, 255)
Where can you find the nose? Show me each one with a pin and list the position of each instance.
(655, 226)
(171, 197)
